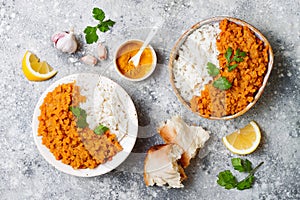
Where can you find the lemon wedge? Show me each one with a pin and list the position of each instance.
(34, 70)
(243, 141)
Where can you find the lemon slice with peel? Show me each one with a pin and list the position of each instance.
(34, 70)
(243, 141)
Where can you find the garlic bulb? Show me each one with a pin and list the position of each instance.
(65, 41)
(101, 52)
(88, 59)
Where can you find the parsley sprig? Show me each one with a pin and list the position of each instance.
(241, 165)
(81, 122)
(100, 130)
(212, 69)
(222, 83)
(238, 57)
(81, 115)
(103, 26)
(227, 180)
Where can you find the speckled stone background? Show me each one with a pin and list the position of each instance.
(28, 25)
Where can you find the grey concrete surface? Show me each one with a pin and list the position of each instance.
(28, 25)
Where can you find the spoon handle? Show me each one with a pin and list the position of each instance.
(151, 35)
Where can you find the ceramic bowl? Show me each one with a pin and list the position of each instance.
(181, 40)
(117, 54)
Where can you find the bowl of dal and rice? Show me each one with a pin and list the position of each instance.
(219, 67)
(85, 125)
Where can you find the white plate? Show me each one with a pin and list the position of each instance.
(127, 141)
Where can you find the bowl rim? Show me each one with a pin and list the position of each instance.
(182, 39)
(153, 66)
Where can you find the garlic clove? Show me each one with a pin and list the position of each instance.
(101, 52)
(56, 36)
(88, 59)
(65, 41)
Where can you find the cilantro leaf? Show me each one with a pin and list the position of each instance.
(90, 34)
(75, 111)
(103, 26)
(212, 69)
(98, 14)
(232, 67)
(81, 122)
(241, 165)
(222, 83)
(246, 183)
(80, 115)
(238, 59)
(109, 22)
(239, 56)
(101, 129)
(83, 113)
(243, 54)
(228, 55)
(226, 179)
(240, 53)
(229, 181)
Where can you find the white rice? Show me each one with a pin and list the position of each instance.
(104, 106)
(189, 70)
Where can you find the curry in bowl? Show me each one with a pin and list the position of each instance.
(219, 67)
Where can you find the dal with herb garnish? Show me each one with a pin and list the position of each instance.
(64, 130)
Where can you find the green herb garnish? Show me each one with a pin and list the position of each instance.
(222, 83)
(101, 129)
(232, 67)
(75, 111)
(91, 34)
(246, 183)
(241, 165)
(81, 115)
(81, 122)
(227, 180)
(238, 57)
(212, 69)
(103, 26)
(228, 55)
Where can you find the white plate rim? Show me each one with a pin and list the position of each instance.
(127, 142)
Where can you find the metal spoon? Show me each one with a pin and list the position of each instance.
(136, 58)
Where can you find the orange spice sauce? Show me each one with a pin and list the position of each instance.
(127, 68)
